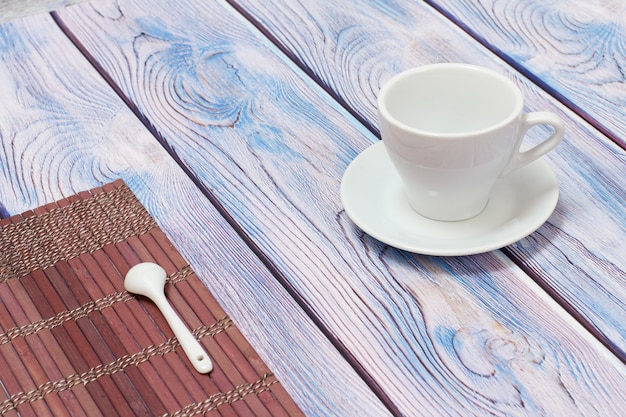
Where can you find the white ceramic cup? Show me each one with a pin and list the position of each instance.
(451, 130)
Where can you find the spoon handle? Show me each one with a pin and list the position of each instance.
(194, 350)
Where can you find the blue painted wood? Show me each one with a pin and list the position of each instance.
(574, 48)
(458, 336)
(578, 256)
(64, 130)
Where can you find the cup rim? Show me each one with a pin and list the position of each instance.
(384, 112)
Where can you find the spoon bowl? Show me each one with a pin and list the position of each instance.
(145, 279)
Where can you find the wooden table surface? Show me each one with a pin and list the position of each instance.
(233, 122)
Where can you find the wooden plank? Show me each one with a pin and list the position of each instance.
(63, 130)
(14, 9)
(574, 48)
(458, 336)
(578, 256)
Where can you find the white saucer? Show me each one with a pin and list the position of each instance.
(373, 197)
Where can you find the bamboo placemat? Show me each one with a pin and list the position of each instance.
(74, 342)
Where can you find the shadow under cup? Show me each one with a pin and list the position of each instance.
(450, 131)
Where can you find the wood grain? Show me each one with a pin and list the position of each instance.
(575, 48)
(578, 256)
(440, 336)
(64, 130)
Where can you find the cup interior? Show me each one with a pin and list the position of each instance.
(450, 99)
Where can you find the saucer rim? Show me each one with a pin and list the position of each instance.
(544, 211)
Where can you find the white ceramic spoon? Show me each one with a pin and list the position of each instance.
(148, 279)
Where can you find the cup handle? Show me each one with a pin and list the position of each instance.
(521, 159)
